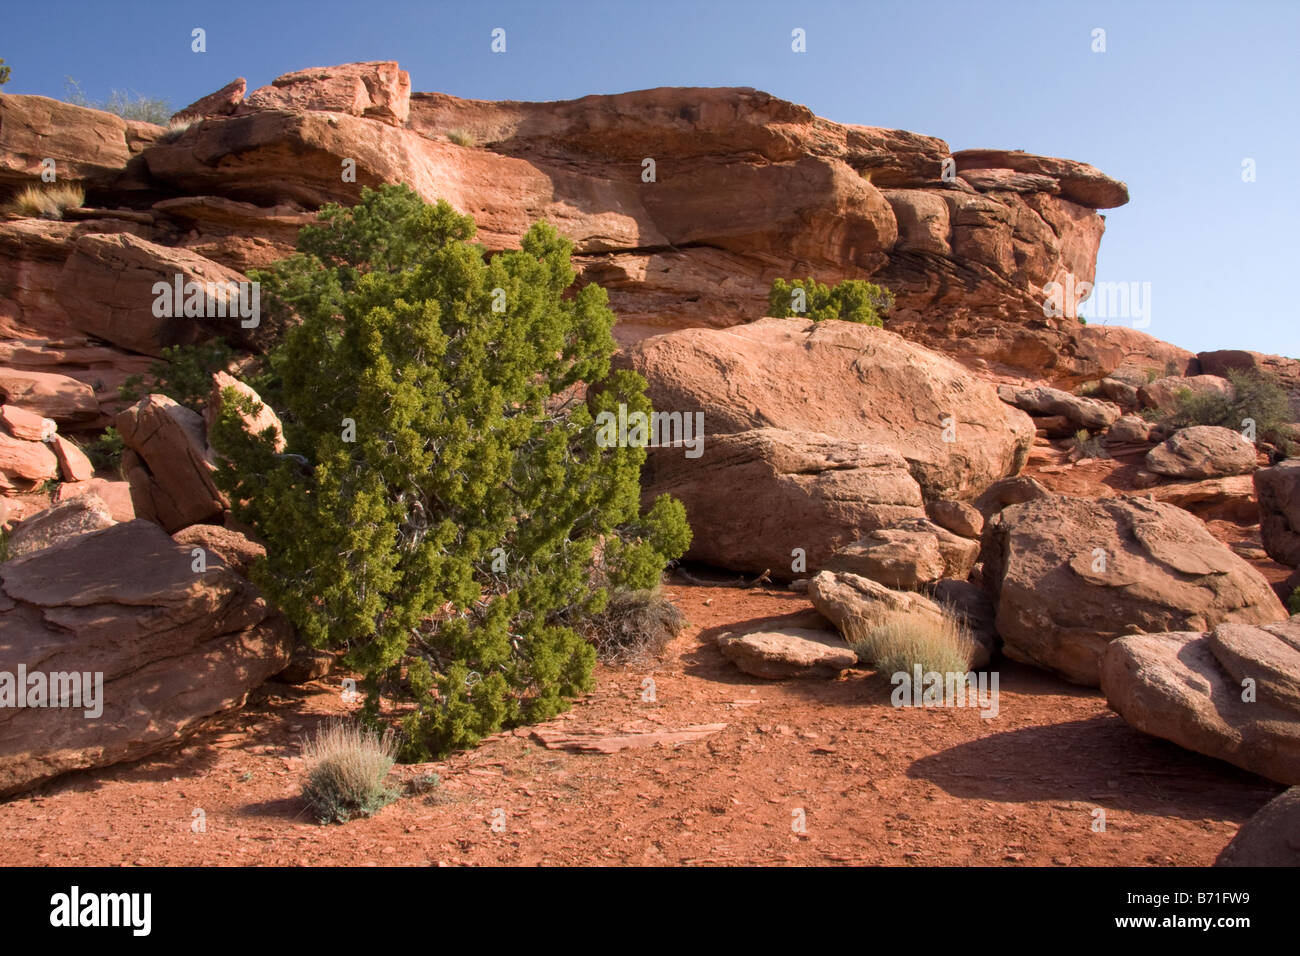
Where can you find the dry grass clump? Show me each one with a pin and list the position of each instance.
(47, 202)
(461, 137)
(346, 769)
(175, 127)
(898, 642)
(636, 626)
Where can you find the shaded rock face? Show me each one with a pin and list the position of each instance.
(1229, 694)
(754, 497)
(173, 648)
(1071, 575)
(1270, 838)
(1278, 490)
(851, 381)
(745, 187)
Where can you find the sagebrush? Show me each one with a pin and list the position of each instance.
(346, 767)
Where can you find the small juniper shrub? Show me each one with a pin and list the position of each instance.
(853, 300)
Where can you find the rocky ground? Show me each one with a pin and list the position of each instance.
(877, 785)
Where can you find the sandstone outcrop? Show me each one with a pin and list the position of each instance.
(172, 648)
(851, 381)
(1278, 491)
(169, 463)
(1070, 575)
(1270, 838)
(754, 497)
(1203, 451)
(1191, 688)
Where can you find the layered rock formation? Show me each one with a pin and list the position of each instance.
(171, 646)
(684, 203)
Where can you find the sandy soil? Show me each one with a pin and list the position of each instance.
(875, 784)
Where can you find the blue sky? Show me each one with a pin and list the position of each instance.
(1183, 93)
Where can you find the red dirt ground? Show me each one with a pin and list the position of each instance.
(876, 784)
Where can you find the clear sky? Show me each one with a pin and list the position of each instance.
(1184, 92)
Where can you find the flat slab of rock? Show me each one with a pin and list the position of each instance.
(1172, 686)
(1079, 411)
(1270, 838)
(598, 743)
(776, 653)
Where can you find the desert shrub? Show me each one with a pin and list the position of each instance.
(1255, 395)
(127, 104)
(4, 544)
(1293, 602)
(47, 202)
(438, 512)
(1088, 445)
(105, 452)
(635, 626)
(461, 137)
(346, 765)
(899, 641)
(175, 127)
(4, 72)
(853, 300)
(184, 374)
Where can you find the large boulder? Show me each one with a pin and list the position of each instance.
(221, 103)
(1213, 499)
(1176, 686)
(1270, 838)
(1203, 451)
(1070, 575)
(851, 381)
(108, 290)
(911, 554)
(753, 497)
(171, 471)
(1278, 490)
(1163, 394)
(49, 394)
(163, 646)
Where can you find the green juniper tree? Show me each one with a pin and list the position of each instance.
(443, 512)
(853, 300)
